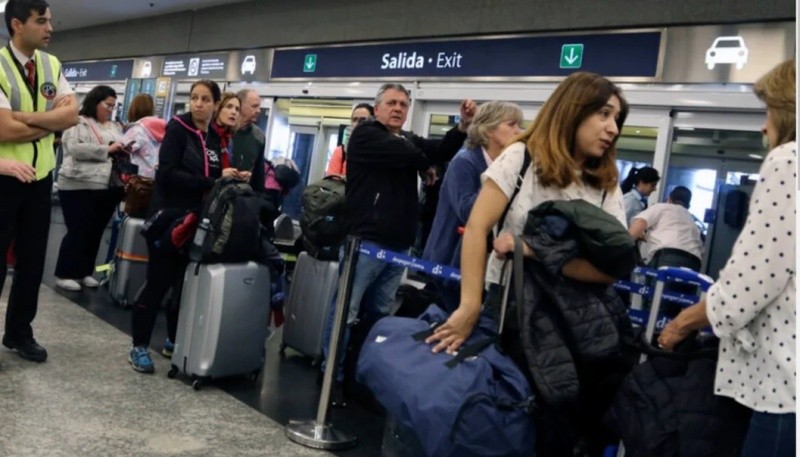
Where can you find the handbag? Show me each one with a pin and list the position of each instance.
(122, 169)
(138, 193)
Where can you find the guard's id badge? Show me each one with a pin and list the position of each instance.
(48, 90)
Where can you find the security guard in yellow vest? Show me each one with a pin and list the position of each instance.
(35, 102)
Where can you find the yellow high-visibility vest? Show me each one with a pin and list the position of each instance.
(39, 153)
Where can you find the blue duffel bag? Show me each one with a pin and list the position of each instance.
(476, 403)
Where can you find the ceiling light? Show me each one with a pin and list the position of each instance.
(3, 5)
(756, 156)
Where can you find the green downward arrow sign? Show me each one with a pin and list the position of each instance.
(310, 63)
(571, 56)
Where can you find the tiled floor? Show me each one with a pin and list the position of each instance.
(85, 400)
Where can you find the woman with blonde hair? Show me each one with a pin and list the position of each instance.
(752, 307)
(494, 126)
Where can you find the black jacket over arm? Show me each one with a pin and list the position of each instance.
(382, 168)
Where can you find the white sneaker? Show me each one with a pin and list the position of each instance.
(68, 284)
(89, 281)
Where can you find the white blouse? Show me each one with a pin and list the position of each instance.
(752, 306)
(504, 172)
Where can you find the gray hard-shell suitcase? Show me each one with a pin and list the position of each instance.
(129, 271)
(314, 284)
(222, 326)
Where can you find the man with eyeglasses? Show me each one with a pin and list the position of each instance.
(383, 165)
(35, 101)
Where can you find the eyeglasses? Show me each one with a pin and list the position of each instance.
(356, 120)
(108, 105)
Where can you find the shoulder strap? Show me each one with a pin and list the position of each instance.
(603, 198)
(526, 162)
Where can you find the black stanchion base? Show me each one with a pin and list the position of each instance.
(317, 436)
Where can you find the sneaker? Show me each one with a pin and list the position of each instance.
(89, 281)
(68, 284)
(140, 360)
(168, 349)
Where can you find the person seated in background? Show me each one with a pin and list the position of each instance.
(752, 308)
(143, 135)
(636, 188)
(669, 230)
(86, 190)
(494, 126)
(338, 162)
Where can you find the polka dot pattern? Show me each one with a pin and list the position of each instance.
(752, 308)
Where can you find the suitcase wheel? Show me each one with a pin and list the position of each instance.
(197, 384)
(254, 376)
(172, 372)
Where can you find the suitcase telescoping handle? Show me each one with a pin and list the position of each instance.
(673, 274)
(512, 268)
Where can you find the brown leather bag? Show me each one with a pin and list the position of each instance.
(138, 193)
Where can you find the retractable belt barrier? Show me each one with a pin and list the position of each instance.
(435, 269)
(638, 317)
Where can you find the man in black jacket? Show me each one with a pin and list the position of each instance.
(383, 163)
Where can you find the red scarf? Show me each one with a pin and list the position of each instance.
(225, 136)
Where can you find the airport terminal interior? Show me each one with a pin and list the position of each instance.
(687, 75)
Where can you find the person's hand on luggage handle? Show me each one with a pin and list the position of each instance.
(244, 175)
(503, 246)
(452, 334)
(16, 169)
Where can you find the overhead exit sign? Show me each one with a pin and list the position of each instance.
(571, 56)
(540, 56)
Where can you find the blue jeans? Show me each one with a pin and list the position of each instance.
(374, 286)
(770, 435)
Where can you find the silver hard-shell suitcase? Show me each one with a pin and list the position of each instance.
(129, 271)
(306, 309)
(222, 326)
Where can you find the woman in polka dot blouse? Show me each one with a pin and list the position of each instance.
(752, 307)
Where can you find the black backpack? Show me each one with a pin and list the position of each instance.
(238, 218)
(323, 220)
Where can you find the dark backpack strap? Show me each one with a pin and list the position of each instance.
(603, 199)
(526, 162)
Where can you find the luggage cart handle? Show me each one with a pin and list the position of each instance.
(684, 275)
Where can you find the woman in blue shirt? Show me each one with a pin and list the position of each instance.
(637, 187)
(494, 126)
